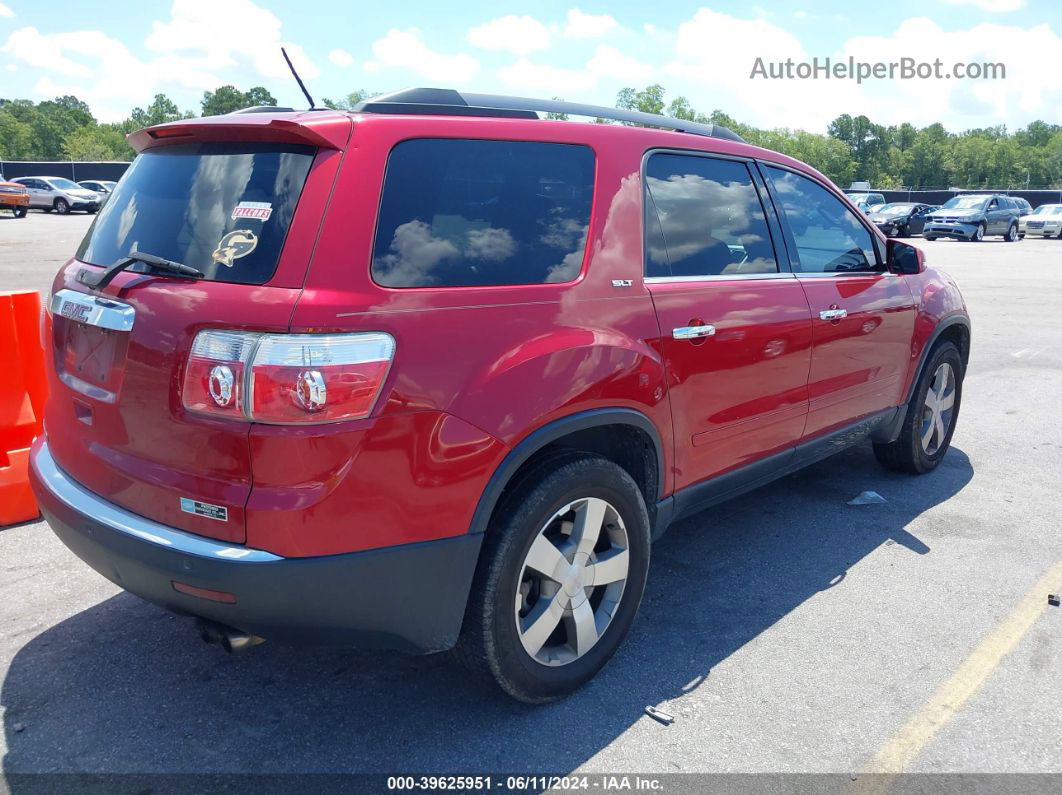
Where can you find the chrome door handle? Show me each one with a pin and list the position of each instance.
(833, 314)
(693, 332)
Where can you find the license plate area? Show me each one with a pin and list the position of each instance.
(90, 338)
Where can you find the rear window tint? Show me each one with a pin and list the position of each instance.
(222, 208)
(476, 213)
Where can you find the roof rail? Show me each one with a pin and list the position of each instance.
(447, 102)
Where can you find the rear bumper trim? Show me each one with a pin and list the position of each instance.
(84, 502)
(409, 597)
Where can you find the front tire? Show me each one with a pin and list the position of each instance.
(931, 416)
(979, 234)
(21, 212)
(560, 578)
(62, 207)
(930, 238)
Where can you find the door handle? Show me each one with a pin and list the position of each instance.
(693, 332)
(833, 314)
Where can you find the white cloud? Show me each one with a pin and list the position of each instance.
(719, 77)
(191, 49)
(5, 11)
(545, 78)
(519, 35)
(588, 26)
(962, 103)
(97, 68)
(214, 35)
(992, 6)
(608, 62)
(341, 58)
(403, 49)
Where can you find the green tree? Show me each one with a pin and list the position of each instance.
(161, 110)
(16, 137)
(350, 100)
(227, 99)
(648, 100)
(96, 142)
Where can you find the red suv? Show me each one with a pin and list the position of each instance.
(434, 373)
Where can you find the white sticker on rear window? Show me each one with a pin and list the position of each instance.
(259, 211)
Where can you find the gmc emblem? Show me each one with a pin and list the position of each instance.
(78, 312)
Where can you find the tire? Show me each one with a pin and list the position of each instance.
(62, 207)
(21, 212)
(903, 231)
(979, 235)
(930, 238)
(500, 632)
(46, 209)
(910, 452)
(1012, 234)
(1022, 235)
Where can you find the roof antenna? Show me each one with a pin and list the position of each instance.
(297, 78)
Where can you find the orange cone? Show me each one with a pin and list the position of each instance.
(23, 390)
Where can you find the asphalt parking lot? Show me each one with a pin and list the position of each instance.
(786, 631)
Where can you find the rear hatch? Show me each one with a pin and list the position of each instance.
(246, 214)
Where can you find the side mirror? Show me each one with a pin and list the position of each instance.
(903, 258)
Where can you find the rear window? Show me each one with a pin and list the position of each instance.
(476, 213)
(222, 208)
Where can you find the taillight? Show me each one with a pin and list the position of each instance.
(286, 378)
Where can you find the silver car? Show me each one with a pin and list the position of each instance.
(1045, 221)
(59, 194)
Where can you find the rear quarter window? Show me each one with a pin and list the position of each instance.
(462, 213)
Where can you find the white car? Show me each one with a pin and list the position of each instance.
(59, 194)
(1045, 221)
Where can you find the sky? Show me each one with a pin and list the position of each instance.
(118, 54)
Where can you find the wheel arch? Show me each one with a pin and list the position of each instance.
(955, 329)
(617, 433)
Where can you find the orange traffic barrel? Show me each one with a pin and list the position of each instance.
(22, 394)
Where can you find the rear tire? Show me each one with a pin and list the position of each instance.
(62, 207)
(930, 238)
(931, 416)
(541, 636)
(1012, 234)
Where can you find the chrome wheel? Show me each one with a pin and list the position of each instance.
(571, 581)
(938, 409)
(980, 233)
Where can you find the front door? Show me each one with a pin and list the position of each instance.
(735, 326)
(863, 316)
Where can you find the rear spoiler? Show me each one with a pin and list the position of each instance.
(323, 130)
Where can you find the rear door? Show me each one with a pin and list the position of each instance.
(735, 325)
(863, 316)
(116, 421)
(37, 193)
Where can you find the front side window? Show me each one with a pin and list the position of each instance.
(711, 222)
(457, 213)
(59, 183)
(222, 208)
(829, 238)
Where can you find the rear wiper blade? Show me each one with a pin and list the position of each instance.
(100, 279)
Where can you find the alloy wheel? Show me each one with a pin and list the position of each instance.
(980, 233)
(938, 409)
(572, 581)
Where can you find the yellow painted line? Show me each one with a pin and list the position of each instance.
(898, 753)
